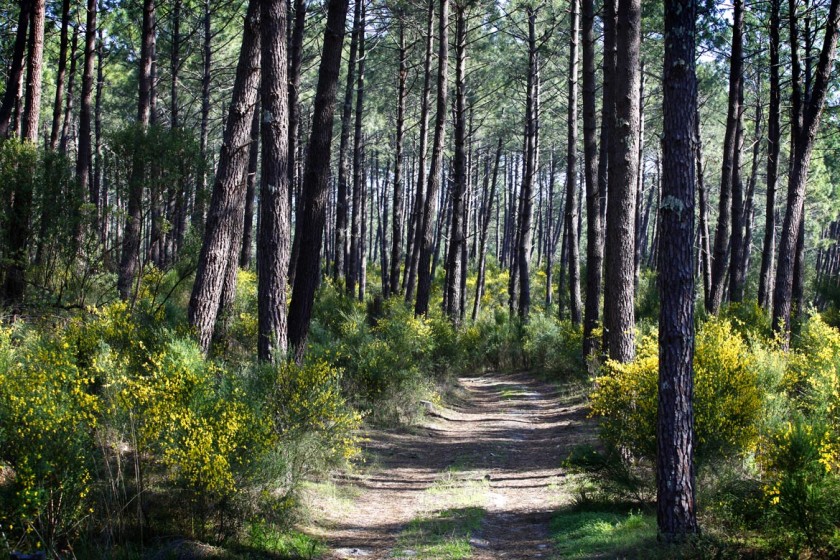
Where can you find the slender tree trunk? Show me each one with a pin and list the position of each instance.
(571, 211)
(84, 157)
(705, 241)
(728, 173)
(356, 234)
(740, 242)
(594, 226)
(130, 262)
(457, 240)
(64, 136)
(274, 234)
(610, 23)
(201, 184)
(768, 254)
(427, 242)
(250, 192)
(482, 252)
(397, 224)
(316, 179)
(10, 96)
(801, 160)
(58, 105)
(619, 323)
(676, 509)
(228, 186)
(342, 241)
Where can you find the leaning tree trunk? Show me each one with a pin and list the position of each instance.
(675, 504)
(798, 177)
(728, 173)
(426, 223)
(619, 323)
(227, 188)
(316, 180)
(273, 237)
(768, 254)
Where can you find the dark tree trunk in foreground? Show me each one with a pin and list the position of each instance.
(16, 68)
(729, 174)
(273, 238)
(426, 224)
(619, 322)
(21, 197)
(342, 210)
(774, 135)
(594, 226)
(415, 231)
(801, 160)
(676, 511)
(213, 261)
(316, 180)
(457, 240)
(571, 210)
(397, 223)
(130, 261)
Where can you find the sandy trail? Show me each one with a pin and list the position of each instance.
(500, 450)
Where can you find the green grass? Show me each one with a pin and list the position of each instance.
(262, 537)
(443, 535)
(595, 534)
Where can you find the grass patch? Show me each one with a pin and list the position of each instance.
(443, 535)
(588, 534)
(510, 393)
(262, 537)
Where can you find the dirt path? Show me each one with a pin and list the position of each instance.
(487, 470)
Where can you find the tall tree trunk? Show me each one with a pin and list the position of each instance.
(274, 234)
(16, 67)
(130, 261)
(356, 235)
(571, 211)
(610, 23)
(427, 242)
(801, 160)
(619, 323)
(316, 179)
(728, 173)
(213, 260)
(416, 231)
(526, 193)
(206, 61)
(64, 136)
(295, 61)
(736, 239)
(58, 105)
(738, 268)
(84, 157)
(397, 223)
(705, 241)
(342, 241)
(594, 226)
(768, 253)
(676, 510)
(457, 240)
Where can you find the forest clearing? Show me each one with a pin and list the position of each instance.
(430, 279)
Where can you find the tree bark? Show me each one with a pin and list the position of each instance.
(768, 254)
(201, 185)
(728, 172)
(316, 179)
(619, 323)
(426, 225)
(58, 105)
(228, 187)
(356, 235)
(571, 210)
(250, 192)
(676, 509)
(397, 222)
(15, 68)
(482, 251)
(85, 153)
(274, 234)
(801, 160)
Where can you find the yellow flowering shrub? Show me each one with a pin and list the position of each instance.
(812, 378)
(727, 397)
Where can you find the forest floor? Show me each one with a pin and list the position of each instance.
(480, 478)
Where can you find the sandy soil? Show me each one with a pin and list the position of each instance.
(500, 448)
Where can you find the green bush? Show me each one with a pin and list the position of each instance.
(727, 397)
(554, 346)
